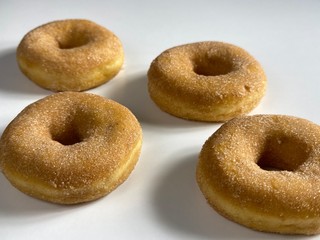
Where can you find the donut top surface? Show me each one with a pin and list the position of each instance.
(270, 163)
(70, 47)
(69, 140)
(208, 71)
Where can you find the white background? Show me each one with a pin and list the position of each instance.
(160, 200)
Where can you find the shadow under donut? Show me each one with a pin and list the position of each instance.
(17, 205)
(134, 95)
(12, 79)
(180, 205)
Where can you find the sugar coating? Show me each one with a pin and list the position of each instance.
(206, 81)
(75, 144)
(73, 54)
(263, 172)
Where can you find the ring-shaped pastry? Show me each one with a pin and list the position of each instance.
(206, 81)
(70, 55)
(263, 172)
(70, 147)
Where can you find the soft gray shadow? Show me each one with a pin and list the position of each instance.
(12, 79)
(1, 131)
(21, 207)
(14, 203)
(179, 204)
(134, 95)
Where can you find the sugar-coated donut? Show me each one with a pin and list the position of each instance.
(70, 147)
(206, 81)
(70, 55)
(263, 172)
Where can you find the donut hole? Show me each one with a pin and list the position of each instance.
(73, 40)
(283, 154)
(213, 66)
(67, 135)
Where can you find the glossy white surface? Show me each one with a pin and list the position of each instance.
(160, 200)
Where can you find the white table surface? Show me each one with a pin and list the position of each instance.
(160, 200)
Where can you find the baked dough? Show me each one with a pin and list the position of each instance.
(263, 172)
(70, 55)
(206, 81)
(70, 147)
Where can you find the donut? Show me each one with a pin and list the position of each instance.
(70, 55)
(206, 81)
(263, 172)
(70, 147)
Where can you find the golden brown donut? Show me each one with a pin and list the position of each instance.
(70, 55)
(263, 172)
(206, 81)
(70, 147)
